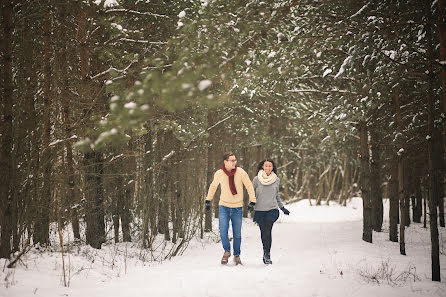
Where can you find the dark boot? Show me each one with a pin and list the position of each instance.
(267, 258)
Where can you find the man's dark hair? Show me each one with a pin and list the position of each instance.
(226, 155)
(260, 167)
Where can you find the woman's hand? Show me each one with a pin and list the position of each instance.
(284, 210)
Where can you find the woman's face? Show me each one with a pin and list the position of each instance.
(267, 167)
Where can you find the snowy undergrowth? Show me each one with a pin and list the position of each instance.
(317, 251)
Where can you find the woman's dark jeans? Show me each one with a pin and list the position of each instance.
(265, 231)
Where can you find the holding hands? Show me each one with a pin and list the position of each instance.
(251, 206)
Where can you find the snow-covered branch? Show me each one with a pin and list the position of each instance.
(99, 75)
(328, 92)
(121, 10)
(143, 41)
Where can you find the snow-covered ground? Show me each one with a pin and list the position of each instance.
(317, 251)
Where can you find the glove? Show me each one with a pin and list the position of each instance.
(207, 205)
(284, 210)
(251, 206)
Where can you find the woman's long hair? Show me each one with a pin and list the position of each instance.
(260, 167)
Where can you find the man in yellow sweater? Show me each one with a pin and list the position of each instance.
(231, 180)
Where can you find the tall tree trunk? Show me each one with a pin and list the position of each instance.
(128, 193)
(163, 145)
(365, 183)
(393, 196)
(72, 194)
(6, 131)
(406, 186)
(433, 170)
(246, 162)
(437, 140)
(94, 195)
(375, 172)
(418, 208)
(148, 186)
(211, 118)
(442, 37)
(401, 190)
(94, 192)
(43, 221)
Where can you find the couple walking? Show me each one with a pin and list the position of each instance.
(264, 199)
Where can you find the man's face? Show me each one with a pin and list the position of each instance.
(230, 163)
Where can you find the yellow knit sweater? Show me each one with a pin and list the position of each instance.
(226, 198)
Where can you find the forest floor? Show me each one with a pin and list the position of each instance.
(317, 251)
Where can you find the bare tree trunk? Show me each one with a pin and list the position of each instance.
(246, 162)
(6, 131)
(72, 194)
(94, 193)
(433, 170)
(418, 208)
(285, 180)
(93, 163)
(43, 222)
(148, 186)
(393, 197)
(375, 172)
(442, 38)
(128, 193)
(365, 183)
(401, 190)
(210, 169)
(407, 192)
(163, 145)
(332, 184)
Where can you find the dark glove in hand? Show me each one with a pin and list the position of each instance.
(285, 211)
(207, 205)
(251, 206)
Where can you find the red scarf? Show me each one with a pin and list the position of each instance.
(231, 179)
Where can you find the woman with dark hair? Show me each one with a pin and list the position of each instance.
(266, 187)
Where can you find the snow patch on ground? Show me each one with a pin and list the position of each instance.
(317, 251)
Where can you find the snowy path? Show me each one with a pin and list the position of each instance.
(310, 259)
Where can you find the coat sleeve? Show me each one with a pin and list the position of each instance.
(279, 201)
(213, 187)
(249, 187)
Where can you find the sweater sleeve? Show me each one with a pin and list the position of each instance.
(279, 201)
(249, 187)
(254, 183)
(213, 187)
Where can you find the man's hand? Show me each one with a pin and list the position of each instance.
(207, 205)
(251, 206)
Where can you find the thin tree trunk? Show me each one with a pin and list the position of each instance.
(401, 190)
(6, 131)
(442, 38)
(407, 193)
(72, 194)
(210, 169)
(285, 180)
(417, 210)
(93, 163)
(365, 183)
(128, 193)
(332, 184)
(43, 222)
(433, 171)
(393, 197)
(375, 172)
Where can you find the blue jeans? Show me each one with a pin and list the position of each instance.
(226, 214)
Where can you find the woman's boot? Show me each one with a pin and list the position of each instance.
(267, 258)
